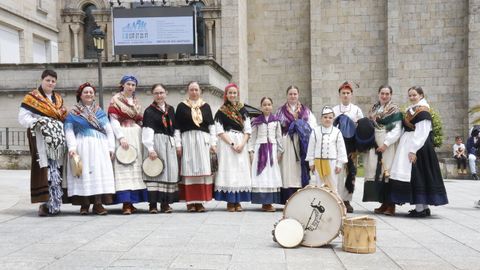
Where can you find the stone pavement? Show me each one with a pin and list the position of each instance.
(449, 239)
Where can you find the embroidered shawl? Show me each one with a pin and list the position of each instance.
(124, 109)
(37, 102)
(386, 118)
(287, 116)
(91, 116)
(233, 112)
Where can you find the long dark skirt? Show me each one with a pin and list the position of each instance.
(426, 183)
(38, 176)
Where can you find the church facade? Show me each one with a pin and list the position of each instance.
(265, 46)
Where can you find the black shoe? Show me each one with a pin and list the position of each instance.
(475, 176)
(427, 211)
(414, 213)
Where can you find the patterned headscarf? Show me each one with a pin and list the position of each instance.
(230, 85)
(127, 78)
(81, 87)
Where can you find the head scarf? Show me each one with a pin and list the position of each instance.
(127, 78)
(81, 87)
(195, 105)
(226, 90)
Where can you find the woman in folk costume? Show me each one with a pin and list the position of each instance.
(265, 147)
(387, 121)
(160, 136)
(126, 119)
(350, 113)
(195, 121)
(233, 183)
(42, 113)
(297, 123)
(90, 137)
(326, 150)
(415, 177)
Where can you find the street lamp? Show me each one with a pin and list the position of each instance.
(98, 38)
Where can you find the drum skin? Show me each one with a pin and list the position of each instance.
(152, 168)
(288, 233)
(126, 157)
(320, 211)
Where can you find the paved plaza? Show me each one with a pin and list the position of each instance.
(449, 239)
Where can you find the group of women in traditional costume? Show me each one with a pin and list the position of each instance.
(227, 155)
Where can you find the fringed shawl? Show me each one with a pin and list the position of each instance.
(124, 109)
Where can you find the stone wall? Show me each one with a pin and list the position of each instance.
(348, 42)
(233, 45)
(427, 46)
(278, 49)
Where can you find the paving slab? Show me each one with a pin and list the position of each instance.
(217, 239)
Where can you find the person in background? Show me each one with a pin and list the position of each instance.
(460, 156)
(472, 150)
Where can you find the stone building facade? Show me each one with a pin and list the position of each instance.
(314, 44)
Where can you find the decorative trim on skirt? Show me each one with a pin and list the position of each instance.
(162, 192)
(266, 195)
(131, 196)
(233, 197)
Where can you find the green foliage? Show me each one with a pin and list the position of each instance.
(437, 128)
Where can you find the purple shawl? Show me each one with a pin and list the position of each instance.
(286, 118)
(265, 149)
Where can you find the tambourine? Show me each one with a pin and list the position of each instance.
(126, 156)
(152, 168)
(288, 233)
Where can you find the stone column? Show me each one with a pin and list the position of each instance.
(209, 23)
(75, 29)
(234, 42)
(473, 89)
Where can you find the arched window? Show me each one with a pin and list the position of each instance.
(202, 48)
(88, 26)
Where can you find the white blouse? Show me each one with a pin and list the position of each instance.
(264, 133)
(351, 110)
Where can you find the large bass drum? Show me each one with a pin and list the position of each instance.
(320, 211)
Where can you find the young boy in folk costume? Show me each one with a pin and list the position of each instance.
(326, 150)
(347, 115)
(42, 113)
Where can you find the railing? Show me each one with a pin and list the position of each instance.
(13, 139)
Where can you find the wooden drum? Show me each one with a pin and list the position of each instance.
(359, 235)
